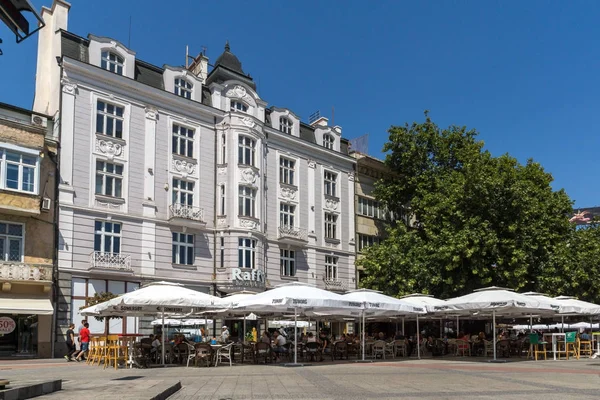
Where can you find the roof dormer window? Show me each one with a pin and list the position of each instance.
(237, 105)
(112, 62)
(285, 125)
(328, 141)
(183, 88)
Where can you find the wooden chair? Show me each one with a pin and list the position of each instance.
(400, 348)
(94, 350)
(462, 347)
(204, 352)
(224, 353)
(534, 346)
(488, 348)
(262, 350)
(503, 348)
(313, 350)
(113, 350)
(340, 349)
(181, 352)
(378, 348)
(585, 348)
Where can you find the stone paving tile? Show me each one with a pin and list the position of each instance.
(403, 379)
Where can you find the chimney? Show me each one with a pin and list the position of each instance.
(322, 121)
(47, 76)
(199, 67)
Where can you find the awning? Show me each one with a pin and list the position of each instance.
(19, 304)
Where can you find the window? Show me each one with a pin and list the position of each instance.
(247, 199)
(109, 119)
(237, 105)
(285, 125)
(112, 62)
(109, 179)
(328, 141)
(223, 149)
(222, 261)
(286, 215)
(183, 192)
(286, 170)
(331, 268)
(222, 200)
(183, 248)
(247, 253)
(330, 226)
(107, 237)
(11, 241)
(19, 171)
(330, 179)
(183, 88)
(183, 141)
(287, 262)
(366, 241)
(246, 150)
(370, 208)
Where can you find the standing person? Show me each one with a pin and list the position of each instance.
(84, 338)
(70, 342)
(225, 335)
(83, 322)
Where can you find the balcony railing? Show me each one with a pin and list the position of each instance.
(112, 261)
(335, 284)
(292, 232)
(185, 211)
(16, 271)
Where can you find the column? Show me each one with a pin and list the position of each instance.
(312, 201)
(67, 139)
(149, 205)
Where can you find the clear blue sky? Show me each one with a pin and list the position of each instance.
(525, 74)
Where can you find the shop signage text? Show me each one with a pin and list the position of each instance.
(248, 278)
(7, 325)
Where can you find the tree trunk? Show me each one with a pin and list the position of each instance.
(106, 326)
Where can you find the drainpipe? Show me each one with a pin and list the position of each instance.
(215, 208)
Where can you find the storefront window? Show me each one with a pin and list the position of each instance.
(18, 335)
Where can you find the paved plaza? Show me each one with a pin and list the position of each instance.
(398, 379)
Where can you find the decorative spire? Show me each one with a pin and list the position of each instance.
(227, 48)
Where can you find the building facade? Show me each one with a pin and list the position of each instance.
(370, 214)
(186, 175)
(28, 157)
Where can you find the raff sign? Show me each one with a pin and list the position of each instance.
(7, 325)
(247, 278)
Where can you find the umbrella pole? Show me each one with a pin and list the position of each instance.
(403, 332)
(530, 323)
(363, 335)
(244, 330)
(562, 324)
(457, 327)
(441, 328)
(494, 328)
(205, 329)
(295, 336)
(163, 337)
(418, 339)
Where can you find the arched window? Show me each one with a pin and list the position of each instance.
(112, 62)
(285, 125)
(183, 88)
(237, 105)
(328, 141)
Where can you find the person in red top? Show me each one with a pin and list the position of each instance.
(84, 338)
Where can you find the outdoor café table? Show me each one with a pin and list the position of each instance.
(555, 339)
(130, 339)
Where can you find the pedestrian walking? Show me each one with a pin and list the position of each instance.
(70, 342)
(84, 338)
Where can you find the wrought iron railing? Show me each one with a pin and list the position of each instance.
(292, 232)
(335, 284)
(185, 211)
(116, 261)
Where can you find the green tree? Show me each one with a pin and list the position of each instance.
(574, 266)
(471, 219)
(97, 299)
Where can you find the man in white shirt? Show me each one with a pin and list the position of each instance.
(224, 334)
(278, 345)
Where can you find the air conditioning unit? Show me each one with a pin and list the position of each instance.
(38, 120)
(46, 202)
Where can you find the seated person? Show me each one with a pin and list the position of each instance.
(585, 336)
(310, 338)
(278, 344)
(265, 338)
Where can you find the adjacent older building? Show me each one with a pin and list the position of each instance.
(28, 157)
(186, 175)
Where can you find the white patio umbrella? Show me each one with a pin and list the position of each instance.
(377, 304)
(158, 298)
(570, 305)
(542, 298)
(297, 297)
(230, 301)
(497, 301)
(423, 300)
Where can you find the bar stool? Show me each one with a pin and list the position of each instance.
(101, 351)
(113, 349)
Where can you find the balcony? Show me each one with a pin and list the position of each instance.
(335, 285)
(110, 261)
(292, 235)
(185, 215)
(16, 271)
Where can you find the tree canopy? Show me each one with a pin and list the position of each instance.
(473, 220)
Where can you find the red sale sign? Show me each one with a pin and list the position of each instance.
(7, 325)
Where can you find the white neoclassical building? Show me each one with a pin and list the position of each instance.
(186, 175)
